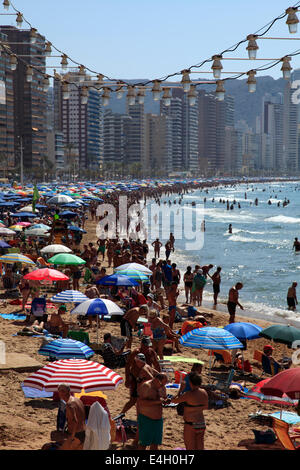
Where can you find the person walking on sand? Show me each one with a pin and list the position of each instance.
(292, 297)
(233, 301)
(157, 246)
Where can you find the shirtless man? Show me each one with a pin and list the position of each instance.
(152, 395)
(292, 297)
(56, 325)
(172, 295)
(233, 301)
(129, 320)
(296, 245)
(75, 414)
(157, 246)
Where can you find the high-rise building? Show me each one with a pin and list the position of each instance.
(174, 112)
(136, 135)
(290, 131)
(81, 124)
(115, 137)
(30, 100)
(7, 146)
(158, 145)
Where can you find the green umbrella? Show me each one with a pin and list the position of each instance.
(285, 334)
(67, 259)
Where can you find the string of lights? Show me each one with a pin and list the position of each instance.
(138, 90)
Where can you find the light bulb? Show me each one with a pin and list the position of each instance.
(64, 62)
(46, 83)
(81, 73)
(251, 82)
(19, 19)
(65, 91)
(131, 95)
(29, 74)
(192, 95)
(292, 19)
(32, 34)
(84, 95)
(141, 95)
(216, 66)
(105, 96)
(13, 62)
(252, 46)
(186, 81)
(120, 91)
(286, 67)
(48, 49)
(220, 90)
(6, 4)
(100, 79)
(156, 90)
(166, 98)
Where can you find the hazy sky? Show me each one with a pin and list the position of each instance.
(140, 39)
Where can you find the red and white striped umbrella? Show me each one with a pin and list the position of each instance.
(78, 373)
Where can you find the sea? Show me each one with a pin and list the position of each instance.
(259, 252)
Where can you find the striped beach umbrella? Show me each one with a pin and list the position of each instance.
(210, 338)
(97, 307)
(69, 296)
(15, 258)
(134, 274)
(117, 280)
(256, 393)
(136, 267)
(80, 374)
(66, 348)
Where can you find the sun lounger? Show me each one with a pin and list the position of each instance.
(281, 430)
(269, 367)
(222, 385)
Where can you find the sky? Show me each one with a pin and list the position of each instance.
(127, 39)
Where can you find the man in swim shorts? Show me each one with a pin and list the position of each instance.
(233, 301)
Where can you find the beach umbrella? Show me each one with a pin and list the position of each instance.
(256, 393)
(78, 373)
(46, 274)
(287, 381)
(243, 330)
(42, 226)
(69, 296)
(75, 228)
(15, 258)
(16, 228)
(66, 259)
(284, 334)
(56, 248)
(6, 231)
(117, 280)
(66, 348)
(97, 307)
(37, 232)
(67, 214)
(23, 214)
(60, 199)
(3, 244)
(134, 274)
(135, 267)
(210, 338)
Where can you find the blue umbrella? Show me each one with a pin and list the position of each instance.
(66, 348)
(67, 214)
(23, 214)
(117, 280)
(243, 330)
(3, 244)
(75, 228)
(210, 338)
(68, 296)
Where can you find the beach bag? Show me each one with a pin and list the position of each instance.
(180, 409)
(264, 437)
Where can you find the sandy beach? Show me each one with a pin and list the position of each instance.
(27, 423)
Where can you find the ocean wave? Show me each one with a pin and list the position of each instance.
(283, 219)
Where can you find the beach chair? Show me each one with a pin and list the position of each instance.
(269, 367)
(257, 355)
(281, 429)
(223, 385)
(38, 307)
(222, 356)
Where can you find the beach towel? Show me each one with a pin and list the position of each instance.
(188, 360)
(12, 316)
(97, 429)
(35, 393)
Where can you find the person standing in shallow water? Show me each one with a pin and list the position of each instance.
(292, 297)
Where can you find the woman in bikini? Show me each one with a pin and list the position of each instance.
(188, 284)
(160, 331)
(195, 402)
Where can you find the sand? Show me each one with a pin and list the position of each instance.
(26, 423)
